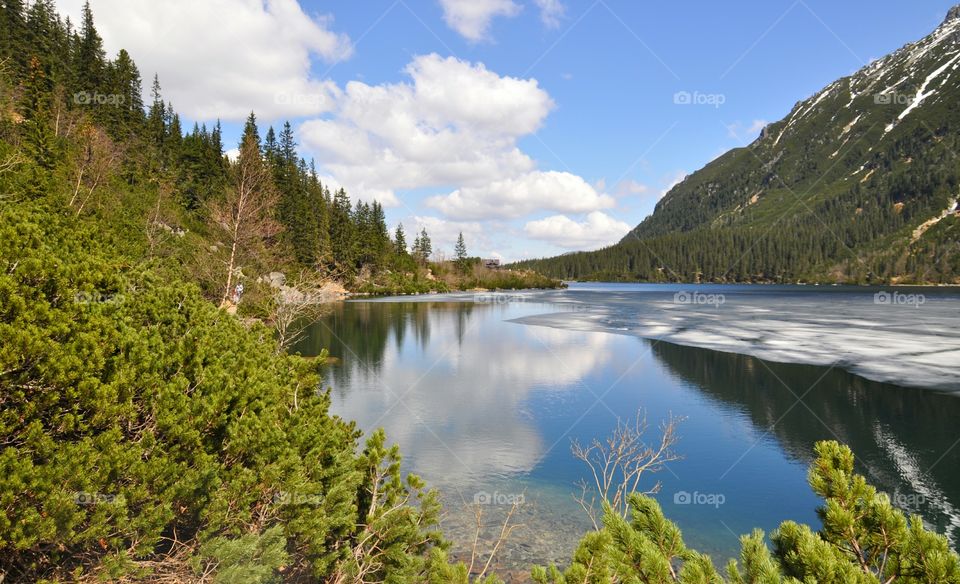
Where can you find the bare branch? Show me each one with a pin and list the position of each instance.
(618, 463)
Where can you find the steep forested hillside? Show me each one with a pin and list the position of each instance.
(73, 123)
(858, 184)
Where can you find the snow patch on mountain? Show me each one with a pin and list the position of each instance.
(922, 93)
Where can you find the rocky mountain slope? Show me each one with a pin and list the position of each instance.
(859, 183)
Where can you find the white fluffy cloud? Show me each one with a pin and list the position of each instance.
(453, 123)
(443, 234)
(671, 182)
(551, 12)
(522, 195)
(598, 230)
(631, 187)
(471, 18)
(746, 132)
(223, 58)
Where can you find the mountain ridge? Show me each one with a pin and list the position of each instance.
(833, 192)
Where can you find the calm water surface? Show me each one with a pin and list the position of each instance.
(486, 409)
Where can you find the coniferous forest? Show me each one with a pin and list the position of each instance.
(846, 189)
(148, 435)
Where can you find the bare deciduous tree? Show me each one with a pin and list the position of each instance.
(506, 529)
(97, 158)
(619, 462)
(246, 213)
(296, 306)
(156, 235)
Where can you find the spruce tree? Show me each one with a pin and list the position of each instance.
(342, 231)
(13, 34)
(424, 247)
(400, 240)
(126, 117)
(460, 255)
(270, 146)
(380, 236)
(250, 132)
(90, 57)
(40, 140)
(156, 119)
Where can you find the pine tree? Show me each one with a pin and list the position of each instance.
(156, 119)
(288, 146)
(90, 57)
(365, 252)
(460, 253)
(126, 117)
(173, 144)
(251, 133)
(40, 140)
(342, 231)
(423, 247)
(864, 540)
(380, 235)
(400, 240)
(270, 151)
(216, 140)
(13, 32)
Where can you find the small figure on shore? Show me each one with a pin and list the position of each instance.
(237, 293)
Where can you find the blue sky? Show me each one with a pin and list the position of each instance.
(534, 126)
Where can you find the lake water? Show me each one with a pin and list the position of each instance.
(485, 394)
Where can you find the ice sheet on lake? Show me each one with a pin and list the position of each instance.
(886, 338)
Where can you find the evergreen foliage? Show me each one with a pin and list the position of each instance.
(460, 255)
(864, 540)
(139, 424)
(145, 435)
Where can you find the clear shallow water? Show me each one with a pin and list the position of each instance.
(485, 400)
